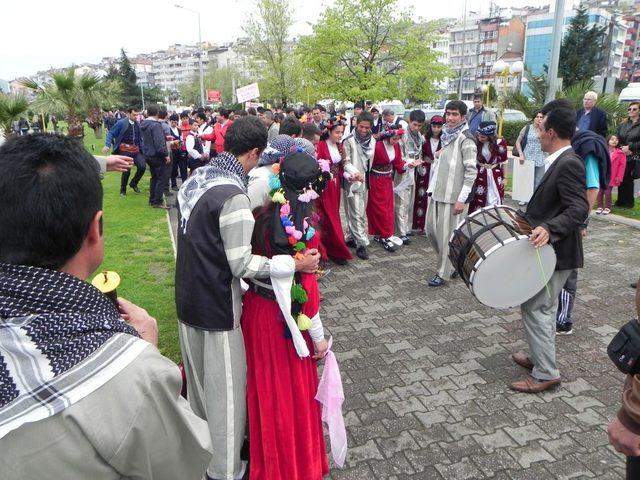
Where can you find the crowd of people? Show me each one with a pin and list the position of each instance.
(259, 207)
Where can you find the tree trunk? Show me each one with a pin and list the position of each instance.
(75, 125)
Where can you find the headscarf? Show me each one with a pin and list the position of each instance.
(437, 120)
(306, 145)
(279, 146)
(488, 129)
(392, 133)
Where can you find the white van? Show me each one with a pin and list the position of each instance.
(631, 93)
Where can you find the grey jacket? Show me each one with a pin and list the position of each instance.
(135, 426)
(454, 171)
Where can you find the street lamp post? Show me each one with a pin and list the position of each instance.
(503, 70)
(199, 52)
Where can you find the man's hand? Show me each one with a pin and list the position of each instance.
(309, 261)
(321, 349)
(167, 159)
(105, 149)
(119, 163)
(458, 208)
(138, 318)
(625, 149)
(539, 237)
(583, 232)
(622, 439)
(522, 161)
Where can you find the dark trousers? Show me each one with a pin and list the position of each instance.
(566, 299)
(138, 160)
(633, 468)
(178, 163)
(158, 168)
(625, 189)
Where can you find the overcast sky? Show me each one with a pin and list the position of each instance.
(40, 34)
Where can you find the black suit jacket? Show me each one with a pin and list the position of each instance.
(597, 122)
(560, 205)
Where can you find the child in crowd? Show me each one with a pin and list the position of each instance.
(618, 164)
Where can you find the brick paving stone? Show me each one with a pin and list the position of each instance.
(426, 371)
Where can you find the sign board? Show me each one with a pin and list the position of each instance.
(522, 186)
(213, 96)
(244, 94)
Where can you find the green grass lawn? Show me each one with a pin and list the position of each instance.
(138, 247)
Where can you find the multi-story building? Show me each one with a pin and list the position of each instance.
(463, 57)
(441, 47)
(539, 33)
(631, 54)
(145, 75)
(177, 69)
(497, 37)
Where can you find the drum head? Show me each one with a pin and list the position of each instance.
(511, 274)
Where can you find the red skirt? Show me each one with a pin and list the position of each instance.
(380, 215)
(285, 425)
(331, 233)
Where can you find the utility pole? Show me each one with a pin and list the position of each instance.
(556, 42)
(199, 52)
(464, 37)
(142, 93)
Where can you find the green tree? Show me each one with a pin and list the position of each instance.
(372, 50)
(269, 50)
(12, 107)
(215, 79)
(74, 97)
(581, 54)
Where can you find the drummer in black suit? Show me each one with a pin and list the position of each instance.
(556, 210)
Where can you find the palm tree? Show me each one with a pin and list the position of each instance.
(12, 107)
(75, 97)
(575, 93)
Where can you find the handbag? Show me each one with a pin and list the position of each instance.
(624, 348)
(634, 168)
(523, 142)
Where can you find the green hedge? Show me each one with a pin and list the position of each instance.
(511, 130)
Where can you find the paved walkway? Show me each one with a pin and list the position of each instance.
(426, 371)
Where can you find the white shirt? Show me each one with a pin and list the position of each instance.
(334, 152)
(190, 146)
(552, 157)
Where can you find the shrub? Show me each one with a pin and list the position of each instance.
(511, 130)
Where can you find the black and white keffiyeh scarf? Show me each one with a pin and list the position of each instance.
(224, 169)
(450, 134)
(60, 340)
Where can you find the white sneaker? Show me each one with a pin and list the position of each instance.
(522, 204)
(606, 211)
(598, 211)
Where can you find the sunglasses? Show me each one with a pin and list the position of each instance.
(632, 110)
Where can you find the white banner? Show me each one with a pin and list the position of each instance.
(244, 94)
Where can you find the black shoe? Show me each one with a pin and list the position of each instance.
(454, 274)
(436, 281)
(634, 285)
(410, 234)
(134, 188)
(362, 253)
(378, 240)
(405, 239)
(388, 245)
(163, 207)
(351, 243)
(168, 194)
(175, 188)
(339, 261)
(564, 329)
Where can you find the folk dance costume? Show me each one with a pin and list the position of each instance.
(332, 245)
(454, 172)
(404, 184)
(358, 153)
(422, 176)
(488, 188)
(281, 323)
(380, 210)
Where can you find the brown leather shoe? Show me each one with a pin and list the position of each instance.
(533, 385)
(522, 359)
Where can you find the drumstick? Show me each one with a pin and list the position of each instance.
(546, 281)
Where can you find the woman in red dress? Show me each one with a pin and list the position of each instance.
(380, 214)
(488, 188)
(423, 173)
(285, 426)
(330, 148)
